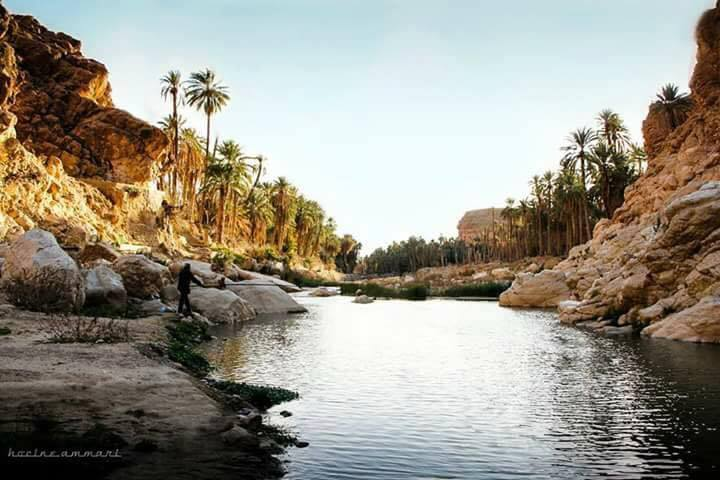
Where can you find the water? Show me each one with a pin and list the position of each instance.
(464, 390)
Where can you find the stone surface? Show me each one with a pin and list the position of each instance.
(699, 323)
(97, 251)
(266, 299)
(503, 274)
(38, 274)
(238, 436)
(363, 299)
(324, 292)
(220, 306)
(474, 222)
(104, 287)
(202, 270)
(544, 290)
(142, 277)
(287, 286)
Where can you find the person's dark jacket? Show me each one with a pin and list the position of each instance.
(184, 280)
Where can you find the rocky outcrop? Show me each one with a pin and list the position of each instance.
(544, 290)
(218, 306)
(39, 275)
(473, 224)
(142, 277)
(286, 286)
(266, 299)
(656, 264)
(202, 270)
(64, 108)
(104, 287)
(97, 251)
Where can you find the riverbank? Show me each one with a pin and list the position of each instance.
(127, 398)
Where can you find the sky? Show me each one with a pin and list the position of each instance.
(396, 115)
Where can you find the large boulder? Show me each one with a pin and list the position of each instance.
(104, 287)
(546, 289)
(219, 306)
(266, 299)
(503, 274)
(142, 277)
(202, 270)
(324, 292)
(39, 275)
(287, 286)
(699, 323)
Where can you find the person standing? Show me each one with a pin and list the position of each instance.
(183, 286)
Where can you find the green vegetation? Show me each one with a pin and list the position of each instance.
(260, 396)
(217, 186)
(303, 281)
(182, 340)
(5, 331)
(596, 166)
(487, 289)
(408, 292)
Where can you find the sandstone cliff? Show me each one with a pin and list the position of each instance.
(656, 264)
(70, 162)
(473, 224)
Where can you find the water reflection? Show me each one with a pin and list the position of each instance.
(444, 389)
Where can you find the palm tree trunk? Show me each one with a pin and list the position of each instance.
(220, 215)
(207, 143)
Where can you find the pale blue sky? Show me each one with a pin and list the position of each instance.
(397, 115)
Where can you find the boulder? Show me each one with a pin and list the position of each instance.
(219, 306)
(142, 277)
(324, 292)
(149, 308)
(699, 323)
(287, 286)
(93, 252)
(266, 299)
(202, 270)
(104, 287)
(503, 274)
(39, 275)
(363, 299)
(546, 289)
(239, 437)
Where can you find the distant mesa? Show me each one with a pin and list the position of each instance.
(473, 223)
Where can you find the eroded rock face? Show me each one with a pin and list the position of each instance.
(39, 275)
(543, 290)
(657, 262)
(64, 107)
(266, 299)
(699, 323)
(221, 306)
(142, 277)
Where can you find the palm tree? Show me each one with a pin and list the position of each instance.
(547, 183)
(602, 158)
(613, 130)
(638, 155)
(258, 212)
(171, 84)
(204, 92)
(676, 105)
(282, 200)
(580, 143)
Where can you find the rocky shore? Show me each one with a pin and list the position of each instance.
(655, 266)
(72, 382)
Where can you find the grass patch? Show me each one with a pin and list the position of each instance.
(416, 291)
(260, 396)
(5, 331)
(303, 281)
(182, 340)
(487, 289)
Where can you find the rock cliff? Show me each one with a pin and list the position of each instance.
(70, 162)
(656, 263)
(474, 222)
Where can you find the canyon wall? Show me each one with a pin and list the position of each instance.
(474, 222)
(656, 264)
(70, 161)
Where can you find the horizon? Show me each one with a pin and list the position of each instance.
(363, 106)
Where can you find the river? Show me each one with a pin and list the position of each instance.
(445, 389)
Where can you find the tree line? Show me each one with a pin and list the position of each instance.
(597, 165)
(219, 187)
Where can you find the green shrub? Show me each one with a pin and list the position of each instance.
(5, 331)
(487, 289)
(415, 291)
(260, 396)
(182, 340)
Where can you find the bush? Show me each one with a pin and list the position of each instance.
(182, 340)
(260, 396)
(5, 331)
(65, 329)
(487, 289)
(415, 291)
